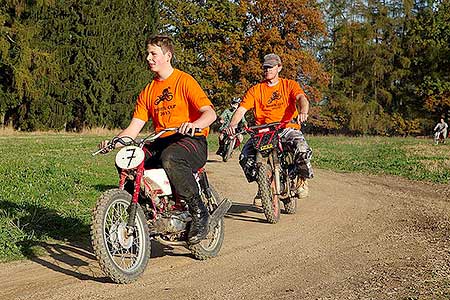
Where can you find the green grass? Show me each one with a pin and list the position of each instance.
(416, 159)
(51, 182)
(49, 185)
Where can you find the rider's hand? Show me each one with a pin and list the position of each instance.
(104, 147)
(302, 117)
(187, 128)
(231, 129)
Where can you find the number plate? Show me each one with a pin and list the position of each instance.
(129, 157)
(266, 147)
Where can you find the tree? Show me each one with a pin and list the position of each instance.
(73, 64)
(428, 44)
(27, 69)
(223, 42)
(209, 36)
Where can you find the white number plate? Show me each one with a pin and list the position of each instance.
(129, 157)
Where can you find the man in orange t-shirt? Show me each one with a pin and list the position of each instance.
(276, 99)
(175, 99)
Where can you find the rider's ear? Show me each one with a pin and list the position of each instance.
(279, 68)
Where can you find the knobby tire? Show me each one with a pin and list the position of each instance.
(266, 185)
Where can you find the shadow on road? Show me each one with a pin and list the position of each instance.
(214, 161)
(38, 224)
(160, 250)
(238, 212)
(72, 259)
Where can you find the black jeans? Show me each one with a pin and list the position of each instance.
(180, 156)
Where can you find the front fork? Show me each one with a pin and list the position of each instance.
(132, 209)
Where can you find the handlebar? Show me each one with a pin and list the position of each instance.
(150, 138)
(251, 129)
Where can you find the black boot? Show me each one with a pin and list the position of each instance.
(220, 150)
(200, 220)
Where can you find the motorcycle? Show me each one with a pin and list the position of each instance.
(229, 144)
(438, 138)
(144, 208)
(274, 170)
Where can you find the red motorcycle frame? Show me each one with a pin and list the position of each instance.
(275, 184)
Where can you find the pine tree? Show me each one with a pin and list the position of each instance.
(73, 64)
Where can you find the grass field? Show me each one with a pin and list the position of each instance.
(50, 181)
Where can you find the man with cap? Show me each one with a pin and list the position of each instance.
(277, 99)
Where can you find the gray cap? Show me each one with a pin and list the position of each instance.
(271, 60)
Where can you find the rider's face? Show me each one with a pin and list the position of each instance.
(156, 59)
(271, 73)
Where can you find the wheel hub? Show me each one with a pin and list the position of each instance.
(120, 235)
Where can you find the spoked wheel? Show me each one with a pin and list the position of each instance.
(228, 149)
(122, 252)
(269, 200)
(210, 246)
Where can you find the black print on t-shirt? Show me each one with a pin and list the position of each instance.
(165, 96)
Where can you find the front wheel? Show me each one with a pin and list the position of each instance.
(211, 245)
(228, 149)
(122, 252)
(267, 190)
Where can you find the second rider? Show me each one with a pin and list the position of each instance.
(277, 99)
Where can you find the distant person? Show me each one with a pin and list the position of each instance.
(440, 131)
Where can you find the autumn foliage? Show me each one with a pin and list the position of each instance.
(368, 67)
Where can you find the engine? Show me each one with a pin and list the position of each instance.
(175, 222)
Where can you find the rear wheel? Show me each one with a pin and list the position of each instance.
(211, 245)
(123, 253)
(290, 205)
(269, 200)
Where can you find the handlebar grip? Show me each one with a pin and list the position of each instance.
(97, 152)
(197, 130)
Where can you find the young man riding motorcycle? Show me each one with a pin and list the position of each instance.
(174, 99)
(225, 119)
(276, 99)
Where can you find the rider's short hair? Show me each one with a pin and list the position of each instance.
(163, 41)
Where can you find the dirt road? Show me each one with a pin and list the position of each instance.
(355, 237)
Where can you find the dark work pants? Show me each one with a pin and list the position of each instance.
(180, 156)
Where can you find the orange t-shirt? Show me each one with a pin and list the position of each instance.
(171, 102)
(273, 103)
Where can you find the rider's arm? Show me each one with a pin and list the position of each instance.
(244, 121)
(302, 107)
(237, 117)
(207, 117)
